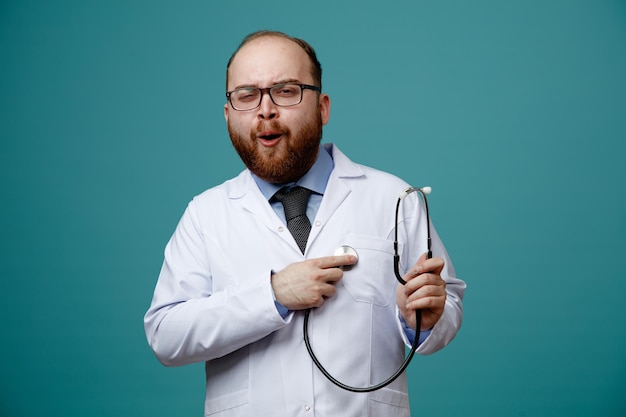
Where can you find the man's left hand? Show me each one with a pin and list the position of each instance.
(425, 290)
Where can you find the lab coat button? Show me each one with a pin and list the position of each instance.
(307, 407)
(318, 223)
(280, 229)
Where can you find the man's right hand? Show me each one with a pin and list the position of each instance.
(307, 284)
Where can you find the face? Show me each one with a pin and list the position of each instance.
(278, 144)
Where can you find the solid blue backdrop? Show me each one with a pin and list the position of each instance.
(111, 120)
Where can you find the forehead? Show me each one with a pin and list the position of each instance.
(268, 60)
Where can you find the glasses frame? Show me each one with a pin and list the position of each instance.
(267, 90)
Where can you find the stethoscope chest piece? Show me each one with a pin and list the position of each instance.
(346, 250)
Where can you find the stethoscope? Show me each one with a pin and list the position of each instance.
(344, 249)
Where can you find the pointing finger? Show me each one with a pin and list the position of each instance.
(335, 261)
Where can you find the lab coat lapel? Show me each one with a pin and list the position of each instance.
(252, 200)
(337, 189)
(336, 192)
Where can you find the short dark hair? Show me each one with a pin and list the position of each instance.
(316, 67)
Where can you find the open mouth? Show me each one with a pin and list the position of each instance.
(269, 138)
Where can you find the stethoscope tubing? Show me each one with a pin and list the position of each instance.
(418, 313)
(405, 364)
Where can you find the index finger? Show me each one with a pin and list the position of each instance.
(433, 265)
(335, 261)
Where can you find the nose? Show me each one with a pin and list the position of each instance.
(267, 109)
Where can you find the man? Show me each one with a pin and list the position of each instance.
(235, 283)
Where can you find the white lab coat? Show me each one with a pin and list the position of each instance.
(213, 301)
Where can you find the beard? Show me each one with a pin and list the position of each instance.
(288, 160)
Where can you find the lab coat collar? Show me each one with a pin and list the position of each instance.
(315, 179)
(344, 168)
(252, 199)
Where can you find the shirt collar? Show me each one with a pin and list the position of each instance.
(315, 179)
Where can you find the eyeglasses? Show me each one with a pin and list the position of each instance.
(283, 95)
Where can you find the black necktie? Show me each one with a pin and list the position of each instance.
(294, 202)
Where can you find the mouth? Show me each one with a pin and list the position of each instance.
(269, 137)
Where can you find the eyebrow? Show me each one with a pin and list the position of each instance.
(284, 81)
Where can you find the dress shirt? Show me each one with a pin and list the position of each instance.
(315, 180)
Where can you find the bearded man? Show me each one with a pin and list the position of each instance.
(244, 264)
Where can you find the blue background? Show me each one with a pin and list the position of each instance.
(515, 112)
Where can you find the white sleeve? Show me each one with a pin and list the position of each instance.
(187, 320)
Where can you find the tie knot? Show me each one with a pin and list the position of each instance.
(294, 201)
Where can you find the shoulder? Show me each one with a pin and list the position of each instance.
(362, 176)
(233, 188)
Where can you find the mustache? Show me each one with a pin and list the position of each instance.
(271, 125)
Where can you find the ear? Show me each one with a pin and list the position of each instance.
(324, 108)
(226, 112)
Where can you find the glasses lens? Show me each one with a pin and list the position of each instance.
(245, 98)
(281, 94)
(286, 94)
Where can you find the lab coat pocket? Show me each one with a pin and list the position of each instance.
(227, 405)
(372, 279)
(389, 403)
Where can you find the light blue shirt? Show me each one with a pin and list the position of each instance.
(315, 180)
